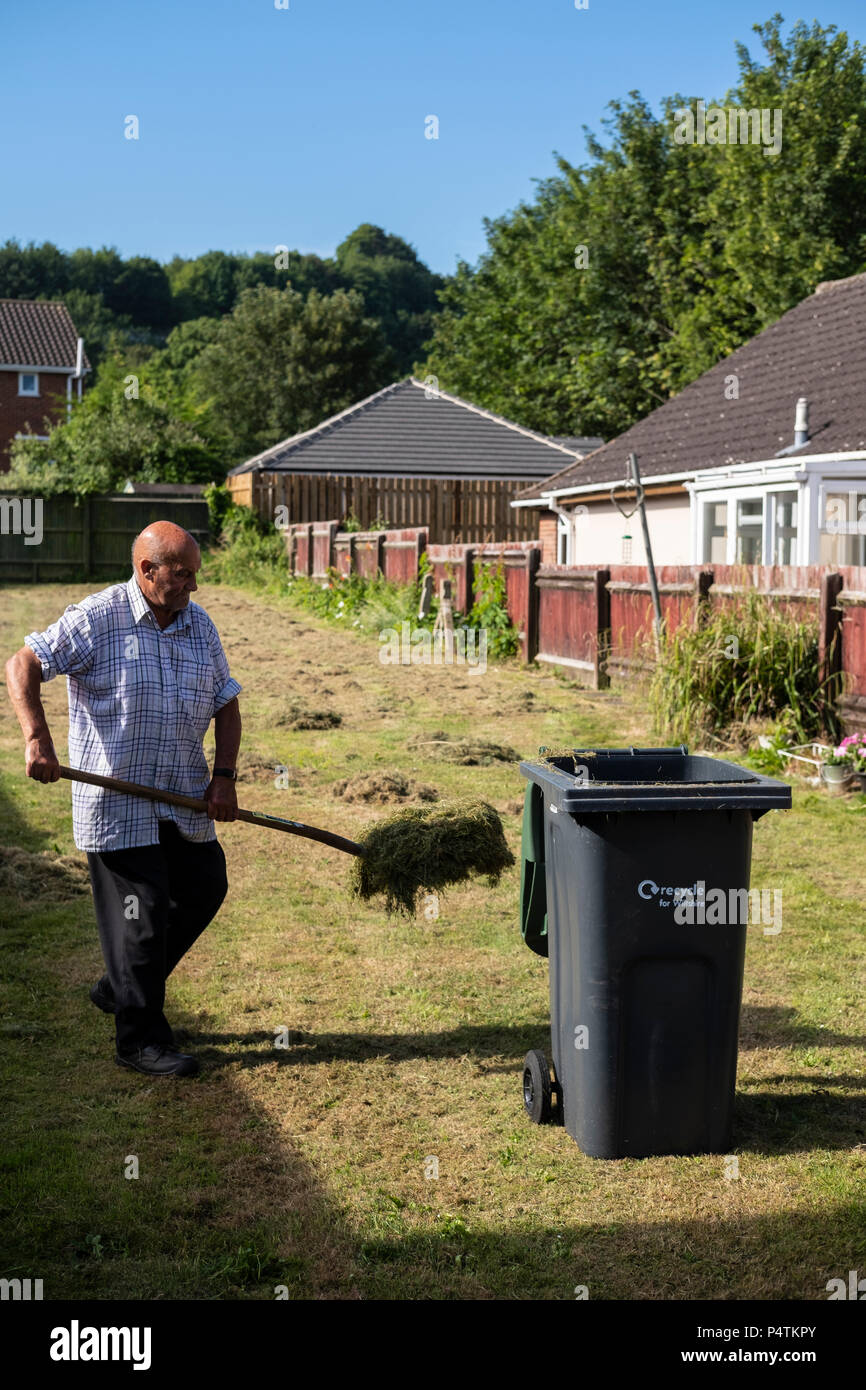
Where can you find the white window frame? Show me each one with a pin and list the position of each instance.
(770, 521)
(766, 494)
(564, 533)
(21, 391)
(812, 477)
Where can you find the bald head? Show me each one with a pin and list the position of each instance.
(165, 560)
(163, 543)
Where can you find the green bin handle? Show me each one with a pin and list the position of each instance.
(533, 884)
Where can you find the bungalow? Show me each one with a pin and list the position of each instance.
(41, 356)
(762, 460)
(414, 455)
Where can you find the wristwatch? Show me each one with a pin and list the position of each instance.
(229, 772)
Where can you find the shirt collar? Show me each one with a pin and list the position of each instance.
(140, 607)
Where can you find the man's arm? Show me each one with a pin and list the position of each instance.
(23, 679)
(221, 795)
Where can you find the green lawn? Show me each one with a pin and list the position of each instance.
(310, 1166)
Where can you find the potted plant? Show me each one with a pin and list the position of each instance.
(837, 767)
(854, 748)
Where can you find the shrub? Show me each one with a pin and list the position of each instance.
(490, 611)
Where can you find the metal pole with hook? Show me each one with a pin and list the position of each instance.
(654, 588)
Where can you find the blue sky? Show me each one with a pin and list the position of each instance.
(262, 127)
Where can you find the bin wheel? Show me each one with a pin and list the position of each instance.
(537, 1088)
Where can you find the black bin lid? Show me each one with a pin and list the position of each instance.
(589, 780)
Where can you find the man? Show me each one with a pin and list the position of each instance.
(146, 674)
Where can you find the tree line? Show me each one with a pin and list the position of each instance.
(622, 280)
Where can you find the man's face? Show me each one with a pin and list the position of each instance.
(169, 586)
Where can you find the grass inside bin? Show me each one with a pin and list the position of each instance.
(419, 849)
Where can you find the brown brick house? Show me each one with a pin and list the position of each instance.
(42, 363)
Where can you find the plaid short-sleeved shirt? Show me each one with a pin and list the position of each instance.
(140, 702)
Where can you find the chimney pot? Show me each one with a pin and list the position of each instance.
(801, 423)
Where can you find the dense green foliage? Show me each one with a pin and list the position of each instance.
(116, 303)
(114, 434)
(690, 249)
(490, 611)
(230, 354)
(280, 364)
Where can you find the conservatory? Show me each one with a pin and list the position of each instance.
(808, 511)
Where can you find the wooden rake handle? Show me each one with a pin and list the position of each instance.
(192, 803)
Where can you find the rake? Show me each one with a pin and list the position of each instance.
(418, 848)
(193, 803)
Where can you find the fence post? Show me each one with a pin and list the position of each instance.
(602, 629)
(704, 580)
(86, 552)
(468, 579)
(830, 640)
(530, 624)
(422, 536)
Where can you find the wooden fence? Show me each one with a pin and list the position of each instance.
(599, 622)
(315, 548)
(471, 510)
(87, 537)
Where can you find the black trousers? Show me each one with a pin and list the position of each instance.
(152, 902)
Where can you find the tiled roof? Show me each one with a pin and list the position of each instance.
(37, 333)
(816, 350)
(403, 431)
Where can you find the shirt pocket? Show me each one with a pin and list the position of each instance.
(195, 686)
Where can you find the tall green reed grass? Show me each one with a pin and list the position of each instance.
(741, 664)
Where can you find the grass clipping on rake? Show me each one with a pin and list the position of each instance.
(429, 848)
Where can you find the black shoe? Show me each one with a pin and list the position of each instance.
(158, 1060)
(102, 996)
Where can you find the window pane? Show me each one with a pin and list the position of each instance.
(785, 530)
(845, 511)
(838, 548)
(750, 531)
(715, 533)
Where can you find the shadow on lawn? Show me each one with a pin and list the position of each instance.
(734, 1257)
(765, 1122)
(777, 1025)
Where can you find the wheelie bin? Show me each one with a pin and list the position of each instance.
(632, 877)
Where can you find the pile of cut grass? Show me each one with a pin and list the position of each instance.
(425, 850)
(380, 788)
(298, 716)
(46, 875)
(475, 752)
